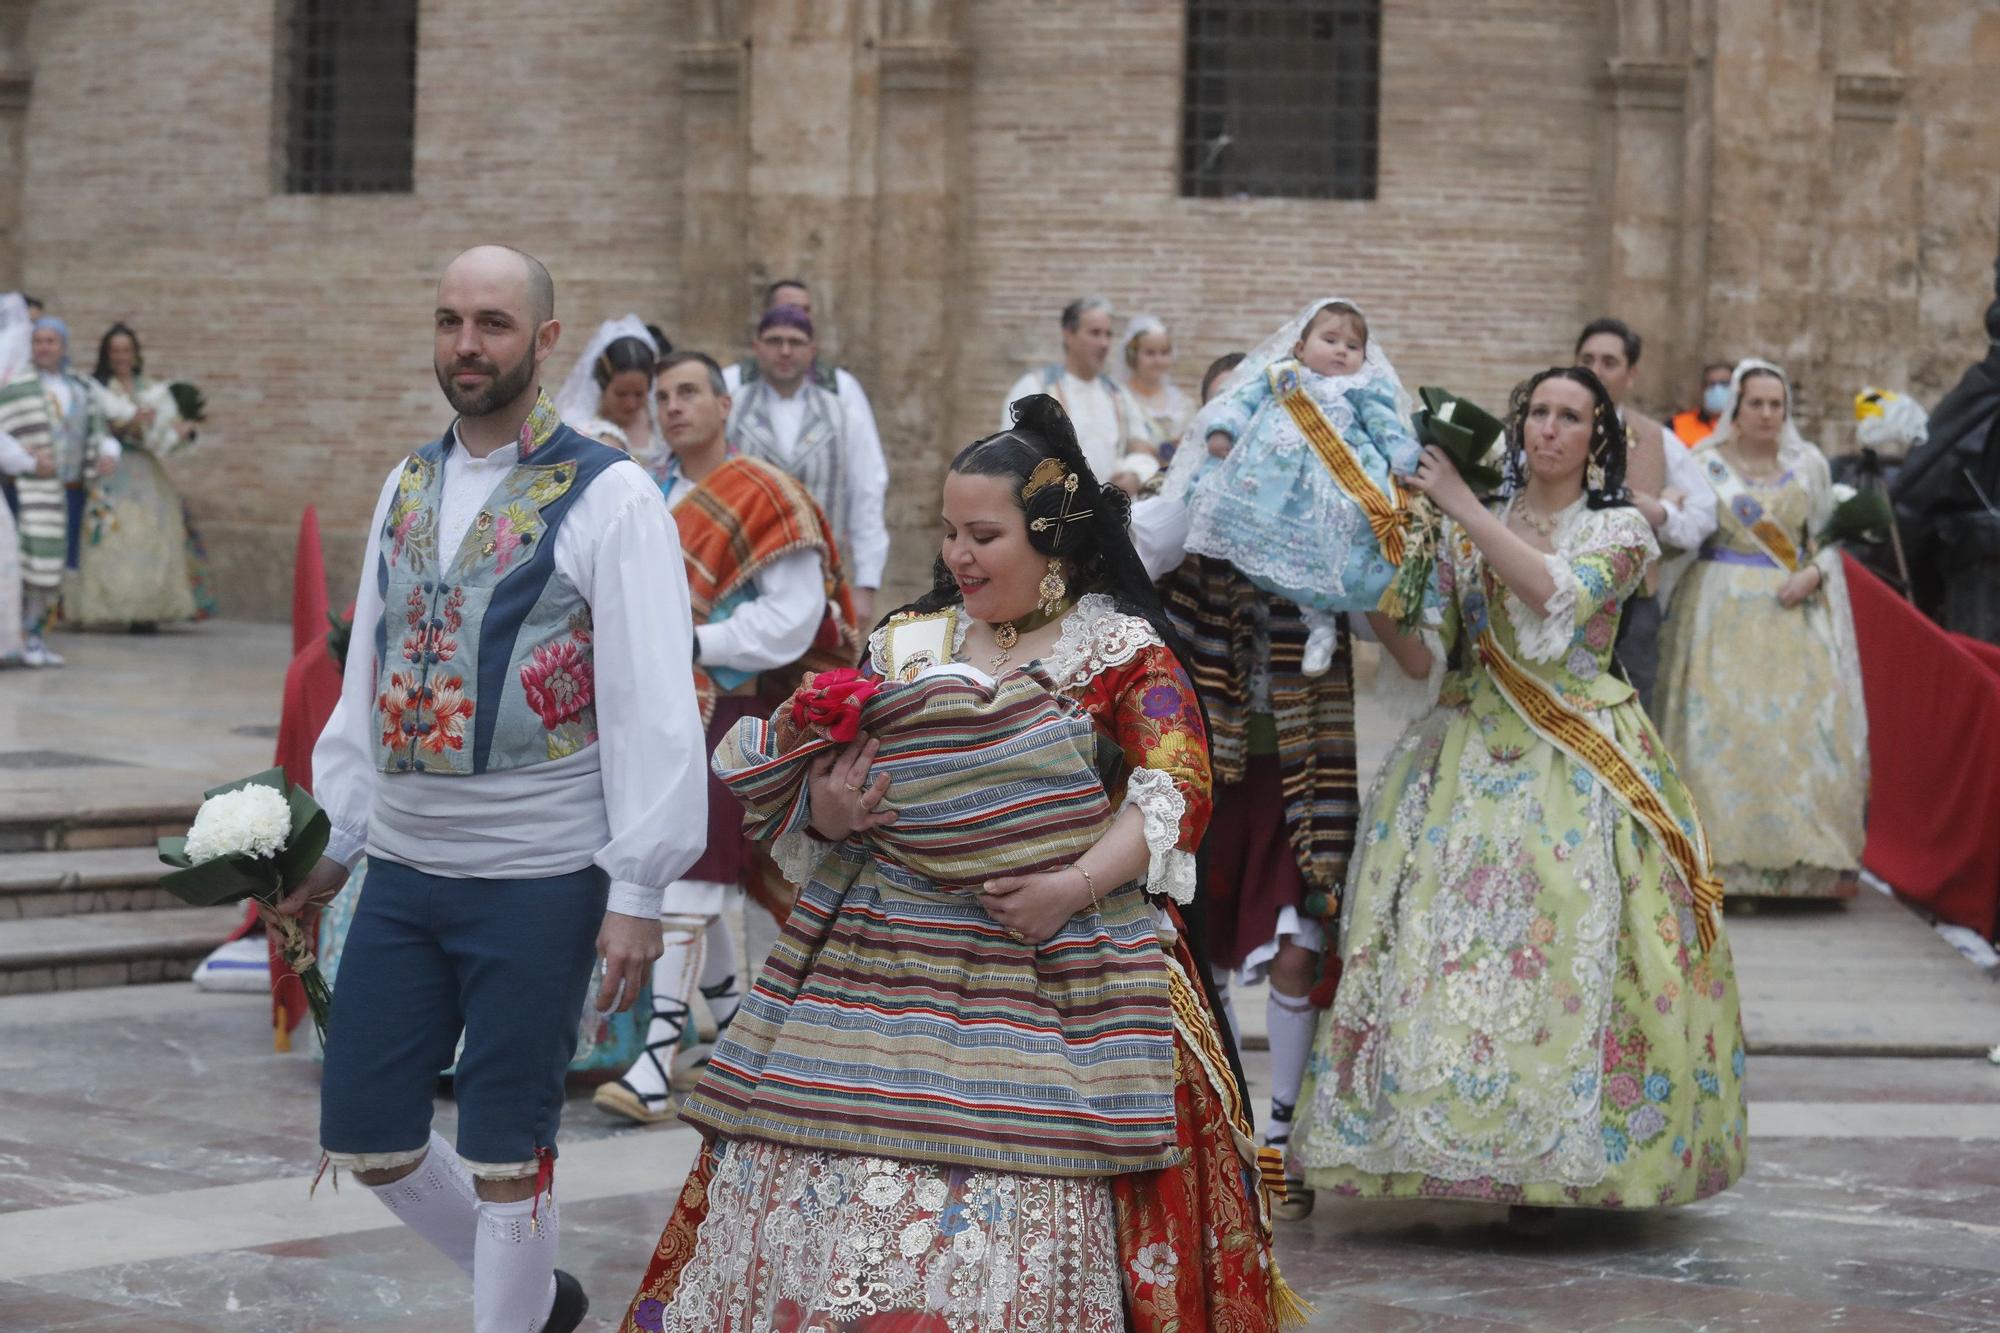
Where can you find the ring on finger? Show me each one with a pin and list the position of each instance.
(850, 786)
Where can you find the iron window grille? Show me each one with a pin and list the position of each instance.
(349, 95)
(1282, 99)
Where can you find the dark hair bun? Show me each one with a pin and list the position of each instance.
(1044, 416)
(1114, 504)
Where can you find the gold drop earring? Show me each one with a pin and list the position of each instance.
(1054, 587)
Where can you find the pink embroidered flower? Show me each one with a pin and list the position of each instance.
(506, 541)
(558, 682)
(1624, 1091)
(1526, 962)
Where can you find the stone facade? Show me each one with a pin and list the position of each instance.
(1813, 180)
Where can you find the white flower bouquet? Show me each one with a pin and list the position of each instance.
(257, 838)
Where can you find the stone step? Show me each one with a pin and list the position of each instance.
(106, 879)
(108, 948)
(112, 824)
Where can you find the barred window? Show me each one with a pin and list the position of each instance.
(349, 93)
(1282, 98)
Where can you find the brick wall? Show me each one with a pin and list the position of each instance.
(147, 196)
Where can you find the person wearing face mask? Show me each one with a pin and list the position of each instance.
(1760, 679)
(1696, 424)
(1537, 1003)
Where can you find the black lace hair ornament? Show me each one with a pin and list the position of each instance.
(1074, 517)
(1607, 439)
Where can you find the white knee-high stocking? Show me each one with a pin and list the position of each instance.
(1290, 1020)
(437, 1202)
(514, 1269)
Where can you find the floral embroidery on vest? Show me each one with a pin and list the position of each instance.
(433, 684)
(561, 686)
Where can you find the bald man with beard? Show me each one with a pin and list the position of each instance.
(518, 751)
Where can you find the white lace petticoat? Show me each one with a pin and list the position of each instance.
(802, 1239)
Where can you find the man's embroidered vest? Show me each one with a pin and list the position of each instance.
(485, 663)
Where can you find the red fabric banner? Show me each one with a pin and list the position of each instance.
(1934, 754)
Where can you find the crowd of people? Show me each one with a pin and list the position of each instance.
(95, 532)
(1004, 855)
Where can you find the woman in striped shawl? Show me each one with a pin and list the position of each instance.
(980, 1085)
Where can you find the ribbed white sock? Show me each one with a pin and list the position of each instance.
(1290, 1020)
(514, 1271)
(437, 1202)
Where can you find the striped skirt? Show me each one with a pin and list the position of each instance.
(896, 1017)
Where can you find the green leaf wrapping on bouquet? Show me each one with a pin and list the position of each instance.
(1864, 516)
(189, 401)
(1466, 432)
(230, 879)
(227, 879)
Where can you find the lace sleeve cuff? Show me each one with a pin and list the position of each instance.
(1169, 870)
(1546, 637)
(795, 854)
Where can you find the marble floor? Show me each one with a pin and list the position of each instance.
(155, 1159)
(155, 1155)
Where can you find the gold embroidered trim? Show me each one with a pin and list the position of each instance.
(1560, 725)
(1384, 513)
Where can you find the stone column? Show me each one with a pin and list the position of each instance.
(826, 140)
(714, 182)
(1656, 178)
(1866, 306)
(920, 227)
(16, 82)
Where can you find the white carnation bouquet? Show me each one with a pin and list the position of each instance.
(258, 838)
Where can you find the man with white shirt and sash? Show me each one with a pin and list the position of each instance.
(808, 423)
(1109, 421)
(518, 751)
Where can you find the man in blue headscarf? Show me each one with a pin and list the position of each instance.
(57, 416)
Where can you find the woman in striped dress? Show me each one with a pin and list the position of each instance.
(979, 1086)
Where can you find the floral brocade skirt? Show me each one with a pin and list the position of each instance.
(1525, 1015)
(769, 1237)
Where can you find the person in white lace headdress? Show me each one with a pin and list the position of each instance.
(1146, 359)
(1289, 473)
(1760, 681)
(608, 394)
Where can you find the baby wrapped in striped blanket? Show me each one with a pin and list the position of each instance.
(896, 1017)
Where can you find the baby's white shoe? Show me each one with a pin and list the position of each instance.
(1320, 644)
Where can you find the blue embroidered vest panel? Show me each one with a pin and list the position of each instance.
(486, 663)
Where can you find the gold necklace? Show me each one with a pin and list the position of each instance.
(1537, 522)
(1008, 632)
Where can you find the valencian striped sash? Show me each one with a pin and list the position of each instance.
(1569, 731)
(1385, 515)
(896, 1017)
(1739, 509)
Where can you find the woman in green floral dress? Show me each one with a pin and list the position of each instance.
(1537, 1005)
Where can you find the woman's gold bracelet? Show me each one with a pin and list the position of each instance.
(1088, 883)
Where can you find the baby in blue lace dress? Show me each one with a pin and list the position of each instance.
(1277, 494)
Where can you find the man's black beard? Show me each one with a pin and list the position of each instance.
(501, 389)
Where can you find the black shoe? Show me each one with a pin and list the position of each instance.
(570, 1307)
